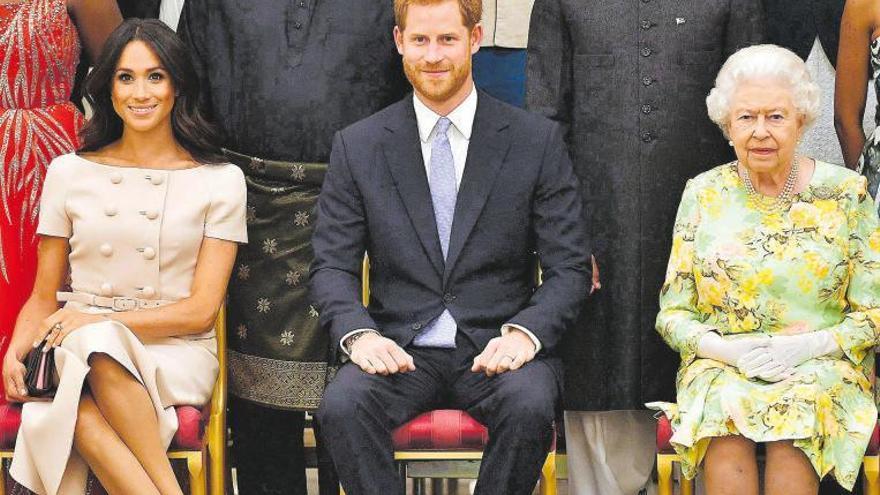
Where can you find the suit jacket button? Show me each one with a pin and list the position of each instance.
(416, 326)
(448, 297)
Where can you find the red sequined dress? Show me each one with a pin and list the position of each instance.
(39, 51)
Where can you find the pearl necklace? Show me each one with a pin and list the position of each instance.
(784, 197)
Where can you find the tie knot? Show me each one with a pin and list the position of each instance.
(442, 126)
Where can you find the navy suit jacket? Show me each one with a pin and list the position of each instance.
(518, 198)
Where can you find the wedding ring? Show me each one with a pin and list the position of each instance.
(58, 326)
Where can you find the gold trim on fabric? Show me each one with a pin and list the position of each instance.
(277, 383)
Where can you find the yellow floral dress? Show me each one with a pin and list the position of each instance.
(741, 266)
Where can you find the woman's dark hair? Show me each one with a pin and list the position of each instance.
(191, 126)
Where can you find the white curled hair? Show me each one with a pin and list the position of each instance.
(758, 62)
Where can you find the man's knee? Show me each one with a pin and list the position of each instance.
(529, 398)
(531, 411)
(344, 399)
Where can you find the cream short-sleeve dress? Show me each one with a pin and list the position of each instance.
(133, 232)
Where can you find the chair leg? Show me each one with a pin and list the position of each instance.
(687, 486)
(664, 474)
(2, 476)
(401, 475)
(216, 451)
(419, 486)
(871, 466)
(547, 483)
(452, 486)
(196, 468)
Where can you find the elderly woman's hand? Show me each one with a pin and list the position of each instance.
(61, 323)
(760, 363)
(730, 350)
(793, 350)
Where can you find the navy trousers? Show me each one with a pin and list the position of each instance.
(359, 412)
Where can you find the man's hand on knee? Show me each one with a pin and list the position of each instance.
(509, 352)
(376, 354)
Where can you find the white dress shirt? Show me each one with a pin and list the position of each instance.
(459, 134)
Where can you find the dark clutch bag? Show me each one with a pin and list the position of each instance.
(40, 367)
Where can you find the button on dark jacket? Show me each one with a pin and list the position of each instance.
(629, 82)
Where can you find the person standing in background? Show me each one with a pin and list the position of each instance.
(858, 62)
(811, 29)
(795, 24)
(283, 77)
(628, 80)
(37, 122)
(500, 65)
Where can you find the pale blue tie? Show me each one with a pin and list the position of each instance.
(441, 331)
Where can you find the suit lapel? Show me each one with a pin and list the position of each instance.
(403, 154)
(486, 152)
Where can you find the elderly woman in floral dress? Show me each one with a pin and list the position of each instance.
(772, 295)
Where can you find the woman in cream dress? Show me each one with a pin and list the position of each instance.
(146, 218)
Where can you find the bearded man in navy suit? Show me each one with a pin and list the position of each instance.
(454, 196)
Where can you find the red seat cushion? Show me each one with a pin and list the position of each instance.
(189, 434)
(443, 429)
(10, 418)
(664, 434)
(874, 443)
(191, 427)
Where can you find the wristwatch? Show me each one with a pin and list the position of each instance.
(349, 342)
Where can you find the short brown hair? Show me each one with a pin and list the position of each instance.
(471, 11)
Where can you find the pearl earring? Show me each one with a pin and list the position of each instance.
(730, 143)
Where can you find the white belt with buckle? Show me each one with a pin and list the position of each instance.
(114, 303)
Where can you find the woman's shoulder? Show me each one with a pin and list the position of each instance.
(829, 174)
(224, 177)
(65, 168)
(718, 176)
(65, 163)
(223, 172)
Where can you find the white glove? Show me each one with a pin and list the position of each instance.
(793, 350)
(730, 351)
(760, 364)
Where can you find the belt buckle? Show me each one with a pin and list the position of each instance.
(124, 304)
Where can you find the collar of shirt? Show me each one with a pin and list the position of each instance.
(462, 117)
